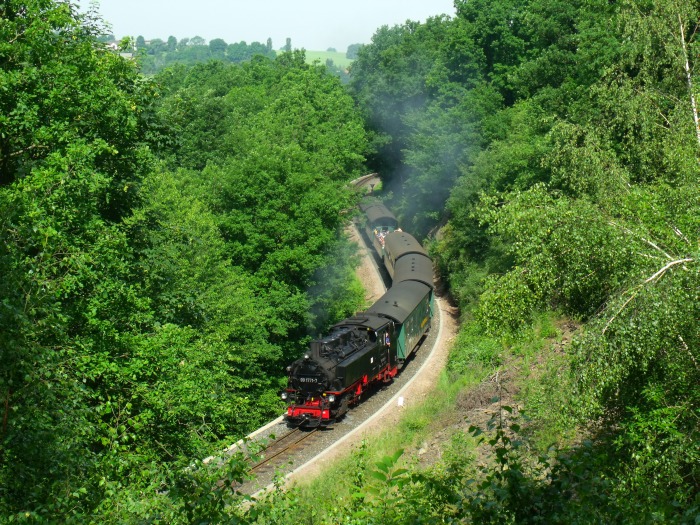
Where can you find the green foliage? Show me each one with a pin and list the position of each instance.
(473, 350)
(567, 256)
(286, 142)
(390, 79)
(207, 494)
(382, 498)
(558, 486)
(648, 384)
(146, 309)
(59, 87)
(500, 495)
(450, 134)
(72, 155)
(352, 51)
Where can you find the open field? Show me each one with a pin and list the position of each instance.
(338, 58)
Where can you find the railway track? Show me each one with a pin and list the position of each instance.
(276, 457)
(278, 451)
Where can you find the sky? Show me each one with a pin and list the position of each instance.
(315, 25)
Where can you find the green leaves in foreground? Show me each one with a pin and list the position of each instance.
(383, 498)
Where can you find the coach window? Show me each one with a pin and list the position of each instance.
(373, 336)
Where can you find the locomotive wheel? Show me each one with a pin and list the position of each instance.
(342, 408)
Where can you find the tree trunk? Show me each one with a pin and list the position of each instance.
(689, 78)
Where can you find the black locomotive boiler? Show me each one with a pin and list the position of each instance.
(372, 346)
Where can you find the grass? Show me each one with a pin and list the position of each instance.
(338, 58)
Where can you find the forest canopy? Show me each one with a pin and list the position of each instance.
(156, 54)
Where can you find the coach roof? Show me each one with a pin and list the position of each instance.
(379, 215)
(399, 243)
(414, 267)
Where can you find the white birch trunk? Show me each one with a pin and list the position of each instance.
(689, 79)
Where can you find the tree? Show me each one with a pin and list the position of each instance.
(570, 132)
(313, 129)
(172, 44)
(256, 48)
(72, 155)
(156, 46)
(671, 36)
(396, 79)
(217, 46)
(353, 50)
(583, 209)
(146, 313)
(237, 52)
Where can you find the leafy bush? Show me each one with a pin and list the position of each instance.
(472, 349)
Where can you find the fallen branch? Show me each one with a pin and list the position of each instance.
(662, 271)
(607, 325)
(647, 241)
(692, 357)
(689, 78)
(680, 234)
(654, 277)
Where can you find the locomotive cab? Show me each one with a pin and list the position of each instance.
(335, 370)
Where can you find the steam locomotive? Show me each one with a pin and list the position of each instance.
(372, 346)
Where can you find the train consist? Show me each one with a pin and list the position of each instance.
(372, 346)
